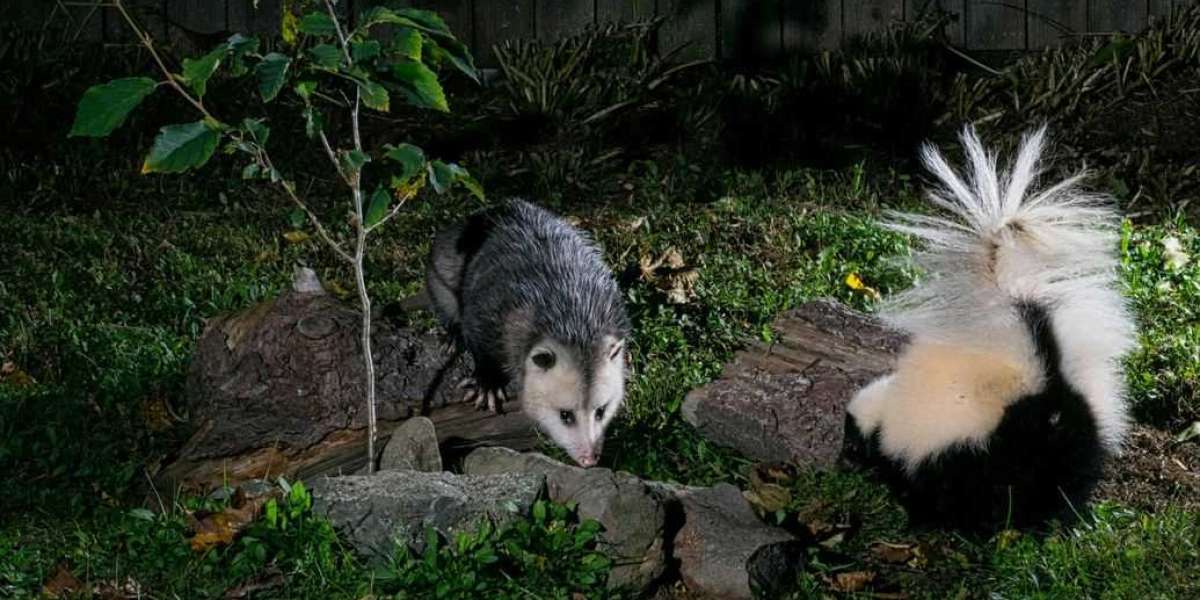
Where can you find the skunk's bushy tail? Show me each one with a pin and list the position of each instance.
(1001, 241)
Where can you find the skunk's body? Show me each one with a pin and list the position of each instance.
(531, 299)
(1009, 397)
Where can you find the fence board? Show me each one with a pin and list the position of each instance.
(148, 13)
(690, 25)
(77, 22)
(957, 8)
(1050, 21)
(750, 29)
(197, 16)
(866, 16)
(497, 21)
(1109, 16)
(622, 11)
(992, 25)
(561, 18)
(813, 25)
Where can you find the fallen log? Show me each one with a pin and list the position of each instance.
(785, 400)
(277, 390)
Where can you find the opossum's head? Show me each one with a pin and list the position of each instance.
(573, 394)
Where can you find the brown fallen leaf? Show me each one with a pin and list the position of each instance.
(768, 497)
(851, 581)
(126, 590)
(219, 529)
(62, 584)
(670, 274)
(14, 376)
(155, 413)
(893, 553)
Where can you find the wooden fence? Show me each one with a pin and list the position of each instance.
(719, 29)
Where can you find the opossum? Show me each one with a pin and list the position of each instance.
(529, 296)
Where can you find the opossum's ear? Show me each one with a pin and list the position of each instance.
(614, 348)
(543, 358)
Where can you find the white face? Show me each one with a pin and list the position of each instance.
(554, 396)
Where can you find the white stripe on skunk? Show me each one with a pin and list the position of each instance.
(1017, 323)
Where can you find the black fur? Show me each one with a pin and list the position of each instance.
(513, 275)
(1041, 463)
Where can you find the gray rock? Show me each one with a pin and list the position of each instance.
(412, 447)
(786, 400)
(724, 550)
(631, 513)
(373, 513)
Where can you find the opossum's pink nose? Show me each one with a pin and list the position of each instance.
(588, 459)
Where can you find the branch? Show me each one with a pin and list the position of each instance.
(337, 25)
(391, 213)
(312, 217)
(148, 42)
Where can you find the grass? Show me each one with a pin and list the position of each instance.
(107, 278)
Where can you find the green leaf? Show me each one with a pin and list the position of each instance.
(410, 157)
(240, 46)
(326, 56)
(258, 132)
(296, 218)
(271, 74)
(197, 72)
(444, 176)
(317, 23)
(314, 123)
(539, 512)
(178, 148)
(103, 108)
(364, 51)
(251, 171)
(459, 56)
(378, 206)
(407, 43)
(420, 85)
(374, 95)
(353, 160)
(305, 89)
(425, 19)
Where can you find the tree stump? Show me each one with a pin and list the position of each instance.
(277, 389)
(786, 400)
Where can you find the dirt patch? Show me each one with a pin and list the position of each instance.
(1154, 472)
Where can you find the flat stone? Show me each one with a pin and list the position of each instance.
(630, 512)
(725, 551)
(374, 513)
(412, 447)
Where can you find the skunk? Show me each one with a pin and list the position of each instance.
(1008, 398)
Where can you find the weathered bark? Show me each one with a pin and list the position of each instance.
(277, 389)
(786, 400)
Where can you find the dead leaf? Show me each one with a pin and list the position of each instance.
(851, 581)
(155, 413)
(893, 553)
(768, 497)
(634, 224)
(14, 376)
(219, 529)
(670, 274)
(128, 589)
(62, 584)
(295, 236)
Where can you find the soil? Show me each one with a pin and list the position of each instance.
(1154, 472)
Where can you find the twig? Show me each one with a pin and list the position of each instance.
(148, 42)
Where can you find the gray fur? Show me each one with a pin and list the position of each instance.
(516, 275)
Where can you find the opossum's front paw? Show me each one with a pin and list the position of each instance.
(491, 399)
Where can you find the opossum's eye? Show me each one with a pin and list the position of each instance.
(568, 417)
(544, 360)
(600, 413)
